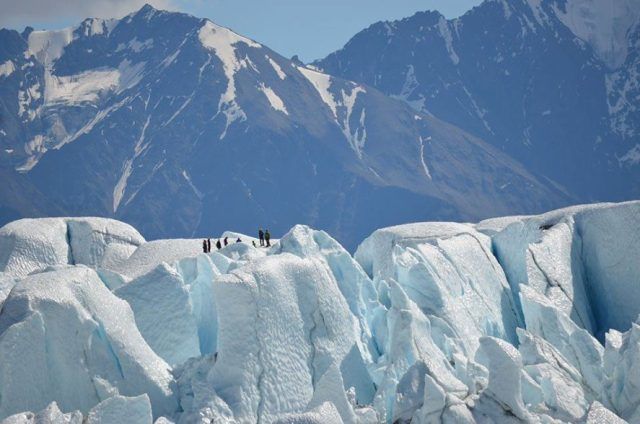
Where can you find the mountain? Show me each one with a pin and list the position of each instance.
(180, 126)
(552, 83)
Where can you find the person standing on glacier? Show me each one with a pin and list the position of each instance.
(204, 246)
(267, 238)
(218, 245)
(261, 236)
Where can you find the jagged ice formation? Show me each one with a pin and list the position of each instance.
(515, 319)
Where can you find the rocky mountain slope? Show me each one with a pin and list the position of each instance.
(552, 83)
(180, 126)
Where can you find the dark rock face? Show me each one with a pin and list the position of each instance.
(544, 81)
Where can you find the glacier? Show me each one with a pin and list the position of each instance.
(513, 319)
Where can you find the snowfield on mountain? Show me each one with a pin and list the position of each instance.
(517, 319)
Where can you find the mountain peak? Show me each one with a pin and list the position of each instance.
(146, 12)
(146, 9)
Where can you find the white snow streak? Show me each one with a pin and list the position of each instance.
(180, 109)
(445, 32)
(121, 185)
(276, 68)
(35, 148)
(222, 41)
(321, 82)
(275, 101)
(7, 68)
(193, 187)
(359, 137)
(424, 164)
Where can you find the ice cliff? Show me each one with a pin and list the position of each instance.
(515, 319)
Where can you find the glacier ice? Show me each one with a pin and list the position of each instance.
(31, 245)
(65, 337)
(163, 313)
(49, 415)
(515, 319)
(113, 410)
(121, 409)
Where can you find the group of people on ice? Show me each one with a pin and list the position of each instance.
(263, 236)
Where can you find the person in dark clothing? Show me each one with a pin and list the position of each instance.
(208, 245)
(267, 238)
(226, 241)
(218, 244)
(239, 240)
(204, 246)
(261, 237)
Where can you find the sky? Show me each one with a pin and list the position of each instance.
(310, 29)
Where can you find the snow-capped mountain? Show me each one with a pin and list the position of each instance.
(553, 83)
(179, 126)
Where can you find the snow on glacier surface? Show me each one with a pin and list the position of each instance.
(582, 258)
(121, 409)
(75, 343)
(49, 415)
(430, 322)
(163, 313)
(448, 270)
(31, 245)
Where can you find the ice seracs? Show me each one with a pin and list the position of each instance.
(32, 245)
(429, 322)
(64, 336)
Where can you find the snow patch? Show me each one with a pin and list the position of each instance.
(602, 24)
(276, 68)
(90, 86)
(632, 157)
(87, 86)
(135, 45)
(321, 82)
(7, 68)
(358, 138)
(48, 46)
(445, 32)
(275, 101)
(198, 193)
(222, 41)
(121, 185)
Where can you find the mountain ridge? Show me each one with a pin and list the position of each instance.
(517, 75)
(180, 126)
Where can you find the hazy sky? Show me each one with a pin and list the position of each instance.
(309, 28)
